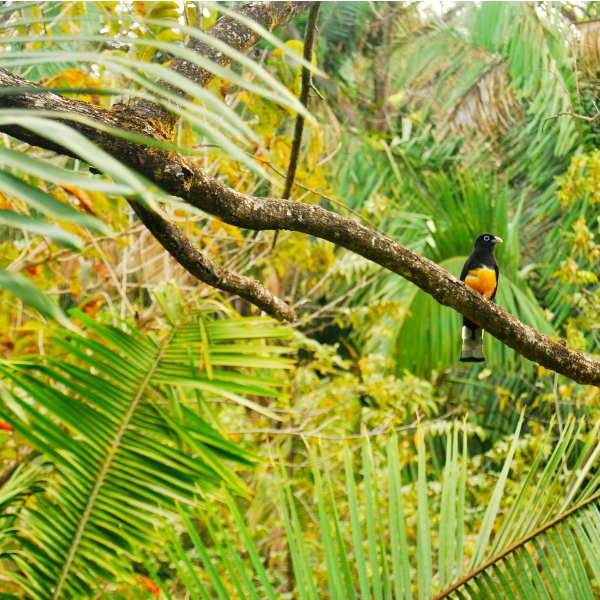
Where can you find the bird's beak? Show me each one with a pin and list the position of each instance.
(498, 240)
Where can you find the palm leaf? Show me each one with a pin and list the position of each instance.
(545, 543)
(28, 292)
(126, 451)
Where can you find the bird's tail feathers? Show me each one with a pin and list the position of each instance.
(472, 345)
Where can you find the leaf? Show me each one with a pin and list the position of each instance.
(41, 228)
(126, 455)
(561, 554)
(23, 288)
(49, 205)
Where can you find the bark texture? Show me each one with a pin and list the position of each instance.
(185, 253)
(182, 178)
(270, 15)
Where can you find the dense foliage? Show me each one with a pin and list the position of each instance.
(163, 439)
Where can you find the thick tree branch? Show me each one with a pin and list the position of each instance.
(183, 178)
(270, 15)
(185, 253)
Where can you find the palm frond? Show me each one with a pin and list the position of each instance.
(112, 414)
(587, 46)
(489, 105)
(31, 295)
(546, 543)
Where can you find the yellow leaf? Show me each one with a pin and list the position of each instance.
(110, 5)
(164, 10)
(168, 35)
(74, 78)
(91, 307)
(140, 8)
(396, 99)
(484, 374)
(75, 287)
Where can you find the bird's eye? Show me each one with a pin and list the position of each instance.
(487, 238)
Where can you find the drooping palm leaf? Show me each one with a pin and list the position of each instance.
(108, 414)
(26, 290)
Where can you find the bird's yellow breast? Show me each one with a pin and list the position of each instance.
(483, 280)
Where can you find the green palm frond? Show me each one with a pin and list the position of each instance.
(544, 544)
(341, 26)
(113, 414)
(25, 481)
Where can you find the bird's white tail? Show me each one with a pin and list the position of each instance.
(472, 345)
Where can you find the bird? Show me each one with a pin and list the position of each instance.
(481, 273)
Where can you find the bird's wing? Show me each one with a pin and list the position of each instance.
(497, 269)
(465, 269)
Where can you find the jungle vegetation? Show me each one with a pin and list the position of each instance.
(162, 438)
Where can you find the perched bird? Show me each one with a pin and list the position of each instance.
(481, 273)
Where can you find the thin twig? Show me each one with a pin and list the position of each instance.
(569, 113)
(379, 430)
(66, 254)
(335, 301)
(309, 42)
(575, 115)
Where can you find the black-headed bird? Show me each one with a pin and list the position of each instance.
(481, 273)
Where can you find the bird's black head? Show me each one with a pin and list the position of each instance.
(486, 241)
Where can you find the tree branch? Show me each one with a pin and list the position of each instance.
(185, 253)
(309, 43)
(182, 178)
(145, 117)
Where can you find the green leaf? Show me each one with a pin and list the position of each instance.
(41, 228)
(126, 456)
(49, 205)
(23, 288)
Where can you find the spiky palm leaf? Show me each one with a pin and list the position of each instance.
(112, 414)
(546, 545)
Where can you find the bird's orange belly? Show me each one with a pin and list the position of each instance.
(482, 280)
